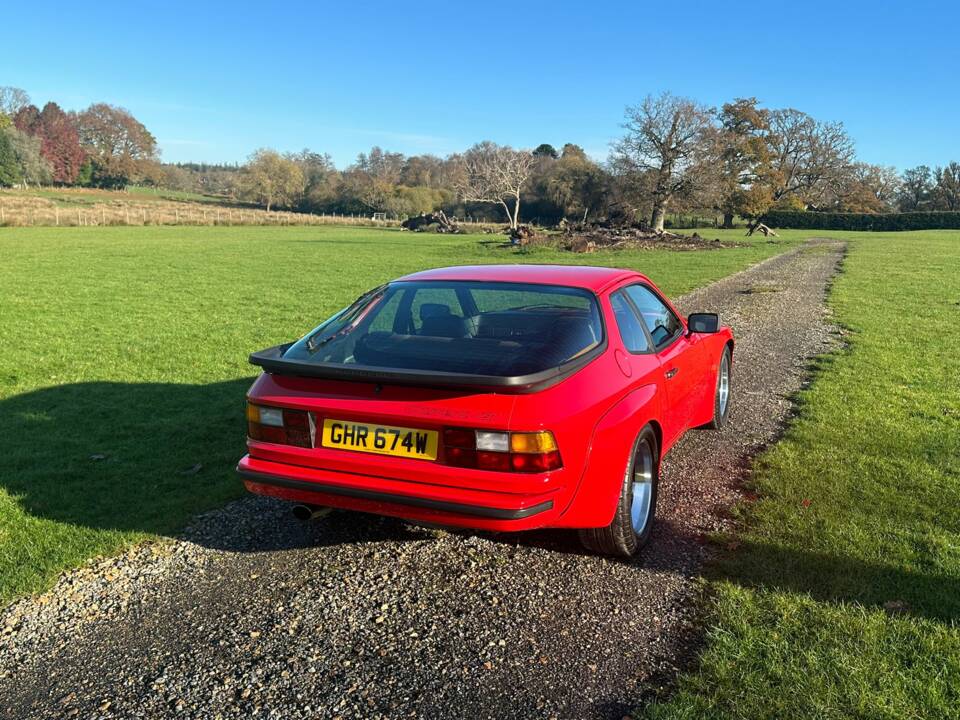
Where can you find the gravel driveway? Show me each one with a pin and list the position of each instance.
(253, 614)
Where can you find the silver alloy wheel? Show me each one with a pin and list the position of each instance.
(642, 470)
(723, 387)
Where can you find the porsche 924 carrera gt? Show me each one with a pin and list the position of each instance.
(495, 397)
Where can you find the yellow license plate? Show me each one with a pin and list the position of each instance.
(380, 439)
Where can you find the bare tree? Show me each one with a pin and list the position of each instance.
(806, 156)
(946, 192)
(916, 187)
(12, 100)
(668, 141)
(492, 173)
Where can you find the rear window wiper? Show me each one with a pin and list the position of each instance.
(348, 319)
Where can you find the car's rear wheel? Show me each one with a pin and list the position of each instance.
(721, 397)
(636, 508)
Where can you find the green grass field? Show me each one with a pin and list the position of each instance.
(842, 599)
(71, 197)
(181, 195)
(123, 362)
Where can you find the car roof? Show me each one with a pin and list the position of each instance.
(581, 276)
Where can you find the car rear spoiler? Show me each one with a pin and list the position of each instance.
(273, 361)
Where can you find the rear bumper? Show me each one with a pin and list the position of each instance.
(438, 504)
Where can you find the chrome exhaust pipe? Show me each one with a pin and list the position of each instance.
(305, 513)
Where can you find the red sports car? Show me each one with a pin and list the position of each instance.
(496, 397)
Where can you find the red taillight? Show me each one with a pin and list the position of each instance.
(501, 451)
(487, 460)
(539, 462)
(279, 425)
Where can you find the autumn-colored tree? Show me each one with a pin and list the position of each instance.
(807, 158)
(373, 179)
(269, 179)
(744, 158)
(867, 188)
(27, 119)
(119, 145)
(59, 140)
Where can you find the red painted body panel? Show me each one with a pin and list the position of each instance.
(595, 415)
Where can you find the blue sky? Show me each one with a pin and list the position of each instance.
(215, 81)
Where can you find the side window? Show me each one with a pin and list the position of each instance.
(631, 332)
(659, 319)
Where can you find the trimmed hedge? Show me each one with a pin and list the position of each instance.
(810, 220)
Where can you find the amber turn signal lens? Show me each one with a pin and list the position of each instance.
(536, 442)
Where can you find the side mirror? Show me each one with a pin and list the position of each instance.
(703, 323)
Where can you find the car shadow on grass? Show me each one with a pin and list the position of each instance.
(836, 578)
(155, 458)
(140, 457)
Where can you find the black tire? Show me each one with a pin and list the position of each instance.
(620, 538)
(721, 410)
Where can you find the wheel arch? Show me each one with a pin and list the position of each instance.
(595, 500)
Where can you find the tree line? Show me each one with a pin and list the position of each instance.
(101, 146)
(675, 155)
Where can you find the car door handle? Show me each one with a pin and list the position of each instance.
(671, 372)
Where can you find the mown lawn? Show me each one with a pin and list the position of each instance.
(842, 597)
(123, 362)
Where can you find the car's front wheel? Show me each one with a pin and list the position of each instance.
(636, 508)
(721, 396)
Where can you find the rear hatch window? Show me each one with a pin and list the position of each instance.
(476, 328)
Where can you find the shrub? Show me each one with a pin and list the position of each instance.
(885, 222)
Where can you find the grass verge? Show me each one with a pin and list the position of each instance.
(843, 597)
(123, 362)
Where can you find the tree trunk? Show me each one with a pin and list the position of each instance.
(516, 213)
(659, 212)
(727, 220)
(506, 209)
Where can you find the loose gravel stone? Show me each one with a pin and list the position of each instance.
(252, 614)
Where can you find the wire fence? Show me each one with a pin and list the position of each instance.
(25, 215)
